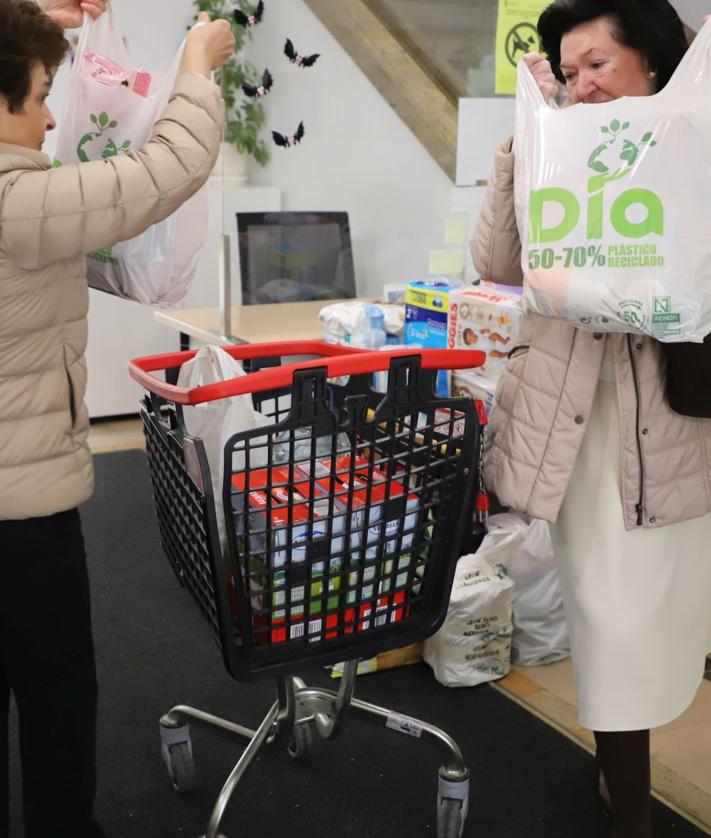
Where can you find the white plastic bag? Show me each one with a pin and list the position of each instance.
(346, 322)
(540, 630)
(215, 422)
(112, 109)
(612, 204)
(474, 643)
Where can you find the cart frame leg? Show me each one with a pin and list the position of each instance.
(327, 709)
(275, 728)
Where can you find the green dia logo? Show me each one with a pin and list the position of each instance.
(620, 168)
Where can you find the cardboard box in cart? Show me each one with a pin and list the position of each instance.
(296, 604)
(367, 511)
(485, 317)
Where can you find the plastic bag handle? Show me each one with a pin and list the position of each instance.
(526, 86)
(694, 61)
(87, 23)
(338, 363)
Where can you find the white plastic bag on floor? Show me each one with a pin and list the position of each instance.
(474, 644)
(612, 204)
(540, 634)
(215, 422)
(112, 109)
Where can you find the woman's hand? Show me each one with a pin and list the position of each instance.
(209, 46)
(70, 13)
(543, 74)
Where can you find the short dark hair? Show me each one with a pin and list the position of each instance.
(652, 27)
(27, 35)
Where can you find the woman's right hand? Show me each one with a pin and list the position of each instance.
(543, 74)
(208, 47)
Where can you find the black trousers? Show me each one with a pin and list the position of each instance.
(47, 662)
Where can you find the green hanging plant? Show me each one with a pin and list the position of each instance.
(245, 118)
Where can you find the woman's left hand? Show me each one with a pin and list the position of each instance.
(70, 13)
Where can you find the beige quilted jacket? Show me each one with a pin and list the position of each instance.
(49, 218)
(544, 397)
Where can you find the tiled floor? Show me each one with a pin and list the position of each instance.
(117, 435)
(681, 750)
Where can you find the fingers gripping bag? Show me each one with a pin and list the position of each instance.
(112, 110)
(613, 205)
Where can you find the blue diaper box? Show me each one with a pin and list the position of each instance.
(426, 309)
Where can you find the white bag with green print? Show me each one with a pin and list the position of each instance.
(613, 204)
(112, 109)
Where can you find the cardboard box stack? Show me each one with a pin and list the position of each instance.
(294, 558)
(291, 591)
(483, 317)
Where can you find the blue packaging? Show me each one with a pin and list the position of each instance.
(426, 310)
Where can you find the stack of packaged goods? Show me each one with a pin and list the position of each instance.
(426, 312)
(294, 540)
(281, 520)
(373, 581)
(483, 317)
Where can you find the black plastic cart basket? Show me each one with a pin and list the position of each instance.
(343, 519)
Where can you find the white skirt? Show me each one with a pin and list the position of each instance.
(638, 603)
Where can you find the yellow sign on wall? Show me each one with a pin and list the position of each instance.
(516, 34)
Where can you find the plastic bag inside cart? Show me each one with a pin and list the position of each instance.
(343, 516)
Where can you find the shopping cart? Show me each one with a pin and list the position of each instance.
(343, 520)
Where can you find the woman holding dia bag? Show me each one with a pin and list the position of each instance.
(50, 218)
(582, 436)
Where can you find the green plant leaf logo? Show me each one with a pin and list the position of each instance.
(102, 123)
(628, 153)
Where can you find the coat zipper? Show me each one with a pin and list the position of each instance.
(522, 347)
(639, 508)
(72, 402)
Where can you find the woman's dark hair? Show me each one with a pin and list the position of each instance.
(27, 35)
(652, 27)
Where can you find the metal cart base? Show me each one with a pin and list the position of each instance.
(296, 716)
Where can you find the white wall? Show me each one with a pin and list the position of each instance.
(357, 154)
(692, 11)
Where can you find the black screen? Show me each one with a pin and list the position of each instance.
(295, 256)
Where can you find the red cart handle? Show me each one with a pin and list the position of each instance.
(338, 360)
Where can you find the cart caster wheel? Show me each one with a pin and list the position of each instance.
(452, 806)
(181, 767)
(449, 819)
(302, 740)
(177, 751)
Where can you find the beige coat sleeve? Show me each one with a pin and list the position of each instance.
(495, 244)
(50, 215)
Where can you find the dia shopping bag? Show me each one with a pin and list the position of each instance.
(112, 109)
(613, 204)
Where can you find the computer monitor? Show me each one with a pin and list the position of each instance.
(295, 256)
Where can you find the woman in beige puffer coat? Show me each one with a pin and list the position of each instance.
(581, 435)
(50, 218)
